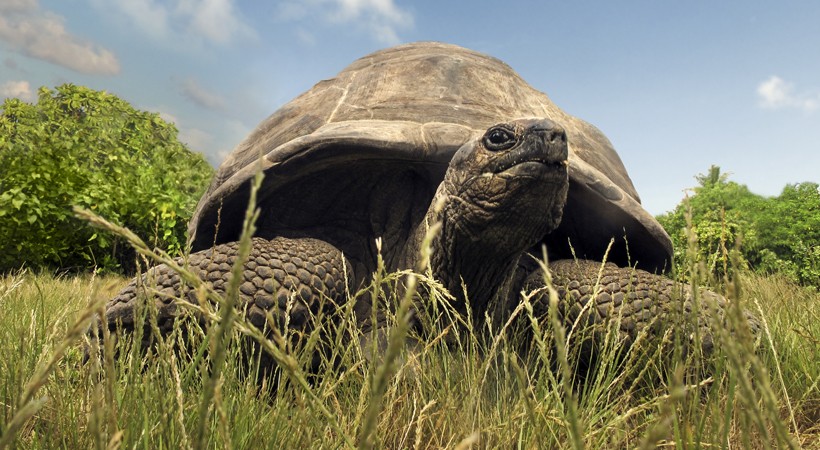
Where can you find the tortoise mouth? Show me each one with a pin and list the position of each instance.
(530, 162)
(535, 168)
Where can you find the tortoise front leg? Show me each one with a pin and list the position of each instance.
(592, 295)
(288, 279)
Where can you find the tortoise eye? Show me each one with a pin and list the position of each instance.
(498, 138)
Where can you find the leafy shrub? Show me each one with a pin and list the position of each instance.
(77, 146)
(774, 234)
(790, 227)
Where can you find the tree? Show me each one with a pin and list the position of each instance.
(720, 222)
(77, 146)
(789, 227)
(775, 234)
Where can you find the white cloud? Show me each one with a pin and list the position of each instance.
(17, 89)
(216, 21)
(193, 91)
(776, 93)
(217, 143)
(196, 139)
(165, 115)
(382, 19)
(16, 6)
(149, 16)
(41, 34)
(214, 136)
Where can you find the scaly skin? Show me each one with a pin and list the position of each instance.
(281, 275)
(308, 273)
(642, 301)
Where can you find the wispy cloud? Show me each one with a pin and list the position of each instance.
(215, 21)
(147, 15)
(193, 91)
(28, 29)
(17, 89)
(776, 93)
(196, 139)
(216, 143)
(164, 114)
(12, 6)
(382, 19)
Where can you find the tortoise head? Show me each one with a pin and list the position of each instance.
(508, 188)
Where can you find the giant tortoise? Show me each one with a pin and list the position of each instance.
(404, 138)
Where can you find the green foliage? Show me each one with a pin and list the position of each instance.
(774, 234)
(790, 229)
(77, 146)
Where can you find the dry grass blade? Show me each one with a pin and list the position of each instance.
(395, 344)
(221, 332)
(28, 405)
(570, 400)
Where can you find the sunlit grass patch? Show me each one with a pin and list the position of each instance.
(440, 380)
(451, 389)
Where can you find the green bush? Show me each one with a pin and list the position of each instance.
(789, 226)
(773, 234)
(77, 146)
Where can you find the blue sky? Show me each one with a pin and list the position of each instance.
(677, 86)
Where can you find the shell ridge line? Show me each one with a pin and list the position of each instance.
(338, 104)
(342, 98)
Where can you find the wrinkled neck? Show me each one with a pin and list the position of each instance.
(461, 264)
(462, 260)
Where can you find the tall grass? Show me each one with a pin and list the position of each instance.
(459, 385)
(448, 392)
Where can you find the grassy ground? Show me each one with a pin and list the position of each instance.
(456, 391)
(520, 385)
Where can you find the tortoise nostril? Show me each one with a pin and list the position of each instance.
(556, 136)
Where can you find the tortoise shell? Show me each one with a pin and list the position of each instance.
(359, 156)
